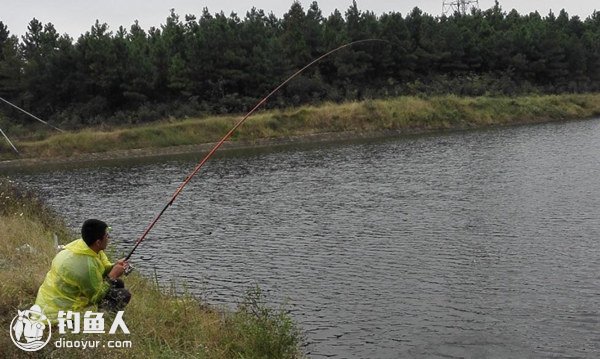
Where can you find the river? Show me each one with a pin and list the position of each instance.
(478, 244)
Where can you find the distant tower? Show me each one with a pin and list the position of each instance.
(461, 6)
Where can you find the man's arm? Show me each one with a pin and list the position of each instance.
(91, 282)
(108, 265)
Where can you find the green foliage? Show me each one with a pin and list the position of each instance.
(222, 64)
(257, 331)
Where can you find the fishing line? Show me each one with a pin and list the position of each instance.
(9, 142)
(228, 134)
(35, 117)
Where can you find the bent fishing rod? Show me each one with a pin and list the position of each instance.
(228, 134)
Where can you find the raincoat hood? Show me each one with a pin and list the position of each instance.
(80, 247)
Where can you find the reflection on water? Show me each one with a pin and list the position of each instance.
(480, 244)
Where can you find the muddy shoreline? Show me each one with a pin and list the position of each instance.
(307, 139)
(148, 153)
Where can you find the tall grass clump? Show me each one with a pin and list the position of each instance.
(162, 323)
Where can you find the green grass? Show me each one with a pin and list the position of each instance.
(162, 323)
(402, 114)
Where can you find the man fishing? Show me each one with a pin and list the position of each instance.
(81, 276)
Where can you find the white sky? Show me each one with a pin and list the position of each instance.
(77, 17)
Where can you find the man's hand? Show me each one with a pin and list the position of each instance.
(117, 270)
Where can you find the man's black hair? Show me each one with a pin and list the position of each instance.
(93, 230)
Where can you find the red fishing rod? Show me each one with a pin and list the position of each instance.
(235, 127)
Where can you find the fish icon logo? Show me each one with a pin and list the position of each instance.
(29, 328)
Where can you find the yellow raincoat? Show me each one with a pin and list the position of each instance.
(75, 280)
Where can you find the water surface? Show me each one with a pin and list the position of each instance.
(480, 244)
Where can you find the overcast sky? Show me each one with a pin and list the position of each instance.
(75, 17)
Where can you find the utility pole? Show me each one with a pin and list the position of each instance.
(462, 7)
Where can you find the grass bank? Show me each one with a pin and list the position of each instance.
(162, 324)
(401, 115)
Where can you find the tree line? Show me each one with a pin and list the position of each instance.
(213, 63)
